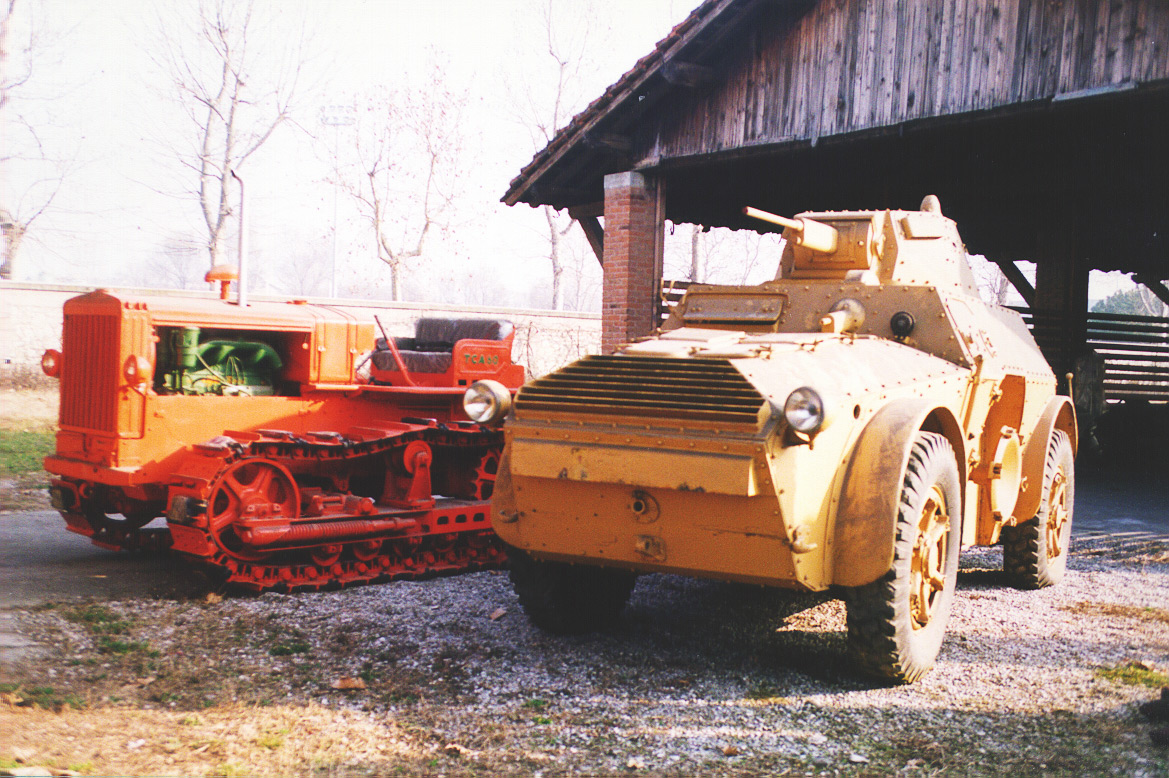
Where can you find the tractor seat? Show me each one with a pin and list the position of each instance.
(431, 349)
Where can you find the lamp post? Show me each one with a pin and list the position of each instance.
(336, 116)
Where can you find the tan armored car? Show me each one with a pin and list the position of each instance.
(850, 424)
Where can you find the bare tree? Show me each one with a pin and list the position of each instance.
(993, 285)
(31, 176)
(720, 255)
(304, 271)
(176, 265)
(403, 169)
(544, 108)
(237, 81)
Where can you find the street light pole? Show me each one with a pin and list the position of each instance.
(336, 116)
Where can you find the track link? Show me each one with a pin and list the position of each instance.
(276, 510)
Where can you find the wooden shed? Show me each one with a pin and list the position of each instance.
(1042, 125)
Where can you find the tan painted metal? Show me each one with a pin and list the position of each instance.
(676, 453)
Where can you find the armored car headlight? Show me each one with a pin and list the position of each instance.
(804, 410)
(486, 401)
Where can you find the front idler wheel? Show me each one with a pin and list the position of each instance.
(569, 599)
(1035, 553)
(896, 624)
(249, 489)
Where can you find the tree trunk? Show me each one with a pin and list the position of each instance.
(13, 235)
(554, 255)
(695, 254)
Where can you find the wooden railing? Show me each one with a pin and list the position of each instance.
(671, 295)
(1135, 350)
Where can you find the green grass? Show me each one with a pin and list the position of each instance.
(1134, 674)
(23, 452)
(42, 697)
(288, 649)
(98, 619)
(108, 630)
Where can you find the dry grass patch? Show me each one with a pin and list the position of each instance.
(28, 409)
(233, 740)
(1119, 611)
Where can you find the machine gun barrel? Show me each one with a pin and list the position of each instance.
(810, 234)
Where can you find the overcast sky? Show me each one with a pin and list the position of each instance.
(100, 99)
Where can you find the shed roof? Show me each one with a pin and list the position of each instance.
(1027, 117)
(631, 95)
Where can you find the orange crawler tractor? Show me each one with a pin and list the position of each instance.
(283, 444)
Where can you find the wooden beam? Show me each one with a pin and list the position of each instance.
(587, 209)
(1155, 285)
(1017, 279)
(593, 231)
(687, 74)
(608, 141)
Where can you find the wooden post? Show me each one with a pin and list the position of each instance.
(1061, 298)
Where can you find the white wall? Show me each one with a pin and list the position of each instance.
(30, 322)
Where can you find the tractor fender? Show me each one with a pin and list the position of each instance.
(1059, 414)
(866, 519)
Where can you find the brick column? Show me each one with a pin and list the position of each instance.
(633, 252)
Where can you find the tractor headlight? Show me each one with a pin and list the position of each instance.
(51, 363)
(137, 370)
(804, 410)
(487, 401)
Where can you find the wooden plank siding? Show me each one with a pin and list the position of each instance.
(851, 65)
(1135, 350)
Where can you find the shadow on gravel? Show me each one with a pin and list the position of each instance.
(779, 639)
(982, 578)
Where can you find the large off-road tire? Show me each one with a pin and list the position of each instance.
(896, 623)
(569, 599)
(1035, 553)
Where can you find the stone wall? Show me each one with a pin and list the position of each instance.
(30, 322)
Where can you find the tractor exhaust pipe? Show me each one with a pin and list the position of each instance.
(242, 284)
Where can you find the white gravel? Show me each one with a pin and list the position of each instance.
(700, 677)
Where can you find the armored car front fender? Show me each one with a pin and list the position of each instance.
(866, 518)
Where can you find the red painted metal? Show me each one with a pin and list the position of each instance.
(327, 481)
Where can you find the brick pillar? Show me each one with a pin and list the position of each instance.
(633, 258)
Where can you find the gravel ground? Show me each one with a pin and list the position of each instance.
(700, 678)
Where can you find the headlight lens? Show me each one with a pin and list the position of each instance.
(136, 370)
(804, 410)
(486, 401)
(51, 363)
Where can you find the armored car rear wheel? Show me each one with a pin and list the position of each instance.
(896, 624)
(569, 599)
(1035, 553)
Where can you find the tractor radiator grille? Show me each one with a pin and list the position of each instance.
(89, 373)
(686, 389)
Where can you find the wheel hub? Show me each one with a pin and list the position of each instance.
(927, 577)
(249, 489)
(1057, 515)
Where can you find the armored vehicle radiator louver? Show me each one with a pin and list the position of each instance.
(710, 390)
(89, 375)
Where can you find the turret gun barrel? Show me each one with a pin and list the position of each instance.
(812, 235)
